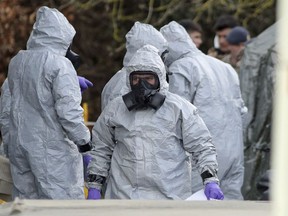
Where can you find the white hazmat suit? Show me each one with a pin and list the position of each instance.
(143, 151)
(213, 87)
(46, 119)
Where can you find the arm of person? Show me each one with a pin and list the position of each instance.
(5, 105)
(103, 146)
(67, 97)
(197, 141)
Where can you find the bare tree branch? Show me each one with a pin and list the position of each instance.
(150, 11)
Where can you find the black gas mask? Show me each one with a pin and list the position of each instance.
(145, 91)
(74, 58)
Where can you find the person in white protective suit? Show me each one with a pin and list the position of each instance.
(141, 139)
(213, 87)
(5, 104)
(5, 101)
(140, 34)
(46, 128)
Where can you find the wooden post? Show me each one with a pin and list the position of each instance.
(86, 112)
(279, 184)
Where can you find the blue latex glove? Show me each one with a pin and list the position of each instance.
(213, 191)
(84, 83)
(93, 194)
(86, 160)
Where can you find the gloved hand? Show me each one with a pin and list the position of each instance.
(84, 83)
(213, 191)
(93, 194)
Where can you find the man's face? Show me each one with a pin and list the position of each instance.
(222, 39)
(150, 78)
(196, 38)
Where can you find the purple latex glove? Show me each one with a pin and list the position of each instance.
(84, 83)
(86, 160)
(93, 194)
(213, 191)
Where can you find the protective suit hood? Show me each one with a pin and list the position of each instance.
(148, 59)
(46, 33)
(179, 42)
(140, 35)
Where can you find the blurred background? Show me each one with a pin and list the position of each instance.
(101, 26)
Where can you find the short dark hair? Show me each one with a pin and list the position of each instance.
(190, 26)
(225, 21)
